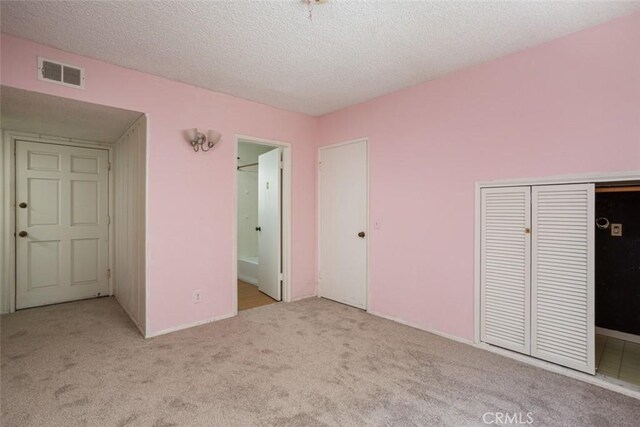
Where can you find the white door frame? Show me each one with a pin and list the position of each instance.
(611, 177)
(286, 216)
(367, 228)
(7, 216)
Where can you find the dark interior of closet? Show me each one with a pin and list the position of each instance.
(617, 259)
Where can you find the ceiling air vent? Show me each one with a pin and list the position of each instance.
(63, 74)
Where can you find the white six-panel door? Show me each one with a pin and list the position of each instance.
(269, 213)
(343, 218)
(562, 315)
(62, 201)
(506, 267)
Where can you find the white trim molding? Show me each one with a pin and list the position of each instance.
(583, 178)
(300, 298)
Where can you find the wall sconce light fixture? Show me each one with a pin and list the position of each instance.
(199, 141)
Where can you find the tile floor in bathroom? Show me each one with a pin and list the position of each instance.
(618, 358)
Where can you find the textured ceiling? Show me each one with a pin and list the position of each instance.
(51, 115)
(270, 52)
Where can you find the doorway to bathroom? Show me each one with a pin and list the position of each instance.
(262, 222)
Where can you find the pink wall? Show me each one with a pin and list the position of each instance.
(190, 196)
(569, 106)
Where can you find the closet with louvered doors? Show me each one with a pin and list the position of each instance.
(537, 272)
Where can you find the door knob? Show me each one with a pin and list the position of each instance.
(23, 234)
(23, 205)
(258, 229)
(361, 234)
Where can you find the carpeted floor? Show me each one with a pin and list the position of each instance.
(308, 363)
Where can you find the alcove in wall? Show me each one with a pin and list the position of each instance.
(617, 282)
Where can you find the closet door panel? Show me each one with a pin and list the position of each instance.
(562, 314)
(505, 267)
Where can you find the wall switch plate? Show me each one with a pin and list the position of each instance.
(197, 297)
(616, 230)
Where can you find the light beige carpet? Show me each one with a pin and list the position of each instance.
(308, 363)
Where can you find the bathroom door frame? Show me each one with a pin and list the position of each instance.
(285, 243)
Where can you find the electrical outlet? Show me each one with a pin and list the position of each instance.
(616, 230)
(197, 297)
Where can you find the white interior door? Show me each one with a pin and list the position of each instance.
(62, 213)
(343, 218)
(506, 267)
(563, 275)
(269, 212)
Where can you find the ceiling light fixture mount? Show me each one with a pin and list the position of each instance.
(200, 141)
(311, 4)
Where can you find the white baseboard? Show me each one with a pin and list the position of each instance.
(422, 328)
(189, 325)
(247, 279)
(303, 297)
(617, 334)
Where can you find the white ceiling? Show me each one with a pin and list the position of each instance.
(51, 115)
(270, 52)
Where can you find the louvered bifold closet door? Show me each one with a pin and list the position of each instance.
(562, 289)
(505, 267)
